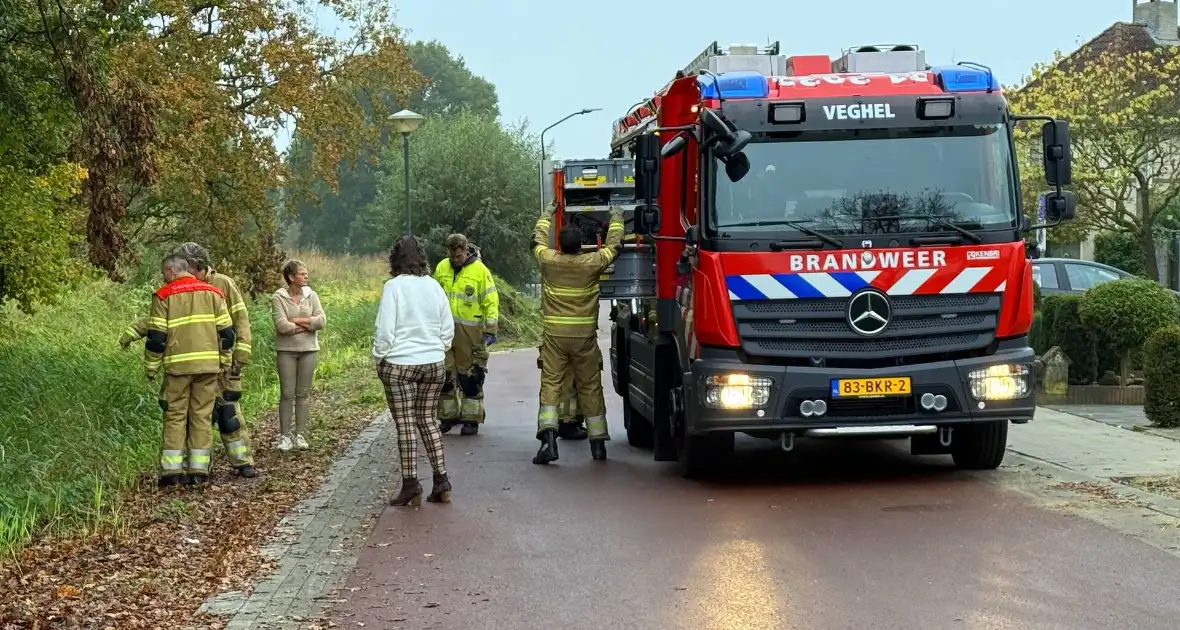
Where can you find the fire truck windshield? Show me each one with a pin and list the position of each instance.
(870, 181)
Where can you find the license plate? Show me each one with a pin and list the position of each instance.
(871, 387)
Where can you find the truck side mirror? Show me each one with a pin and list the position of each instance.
(647, 219)
(1056, 152)
(647, 168)
(692, 236)
(1060, 206)
(737, 166)
(674, 146)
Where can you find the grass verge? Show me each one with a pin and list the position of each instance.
(84, 537)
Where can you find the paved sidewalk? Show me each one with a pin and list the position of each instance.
(317, 544)
(1093, 448)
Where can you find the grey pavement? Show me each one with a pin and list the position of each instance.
(1125, 416)
(1094, 448)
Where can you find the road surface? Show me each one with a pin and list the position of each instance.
(829, 536)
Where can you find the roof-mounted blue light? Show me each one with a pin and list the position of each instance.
(744, 84)
(964, 79)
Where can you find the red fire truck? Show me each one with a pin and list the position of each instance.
(820, 248)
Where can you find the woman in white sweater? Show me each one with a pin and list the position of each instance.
(414, 331)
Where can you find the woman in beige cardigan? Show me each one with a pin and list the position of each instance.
(298, 317)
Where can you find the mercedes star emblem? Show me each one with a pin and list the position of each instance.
(869, 312)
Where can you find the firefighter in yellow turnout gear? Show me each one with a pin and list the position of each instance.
(570, 421)
(134, 332)
(475, 307)
(227, 412)
(190, 336)
(569, 347)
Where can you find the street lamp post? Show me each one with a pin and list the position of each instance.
(541, 167)
(406, 122)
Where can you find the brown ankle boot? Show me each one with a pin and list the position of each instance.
(411, 493)
(441, 492)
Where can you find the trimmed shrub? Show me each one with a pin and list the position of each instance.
(1036, 335)
(1124, 313)
(1161, 367)
(1075, 339)
(1049, 306)
(1038, 298)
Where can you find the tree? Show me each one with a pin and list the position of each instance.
(449, 87)
(1124, 114)
(470, 175)
(1124, 313)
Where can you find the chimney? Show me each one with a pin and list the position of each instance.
(1160, 19)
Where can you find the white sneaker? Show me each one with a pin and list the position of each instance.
(285, 444)
(301, 443)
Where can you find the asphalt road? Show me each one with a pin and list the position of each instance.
(829, 536)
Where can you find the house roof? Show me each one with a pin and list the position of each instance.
(1118, 38)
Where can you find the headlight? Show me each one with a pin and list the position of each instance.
(999, 382)
(736, 391)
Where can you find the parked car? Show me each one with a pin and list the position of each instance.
(1066, 275)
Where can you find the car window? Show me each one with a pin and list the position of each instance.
(1045, 275)
(1082, 277)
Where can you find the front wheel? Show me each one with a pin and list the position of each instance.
(980, 445)
(703, 456)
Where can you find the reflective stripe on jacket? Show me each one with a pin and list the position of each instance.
(471, 292)
(237, 312)
(569, 282)
(189, 329)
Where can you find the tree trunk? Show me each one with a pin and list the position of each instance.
(1147, 245)
(1125, 368)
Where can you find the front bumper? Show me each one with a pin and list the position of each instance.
(793, 385)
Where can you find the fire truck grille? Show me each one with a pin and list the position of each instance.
(921, 327)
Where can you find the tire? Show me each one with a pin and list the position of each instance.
(703, 456)
(980, 446)
(640, 433)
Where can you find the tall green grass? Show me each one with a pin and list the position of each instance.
(79, 422)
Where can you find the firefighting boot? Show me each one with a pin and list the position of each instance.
(445, 426)
(598, 450)
(571, 430)
(172, 480)
(441, 492)
(198, 480)
(411, 493)
(469, 428)
(548, 451)
(247, 471)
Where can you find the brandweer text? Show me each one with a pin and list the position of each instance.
(866, 261)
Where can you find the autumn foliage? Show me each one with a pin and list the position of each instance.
(171, 107)
(1123, 108)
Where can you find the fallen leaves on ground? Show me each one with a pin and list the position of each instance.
(1166, 485)
(170, 550)
(1098, 491)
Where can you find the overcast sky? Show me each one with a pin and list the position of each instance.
(548, 58)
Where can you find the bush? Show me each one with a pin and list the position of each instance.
(1161, 367)
(1075, 339)
(1036, 335)
(1121, 251)
(1049, 306)
(1124, 313)
(1038, 297)
(520, 314)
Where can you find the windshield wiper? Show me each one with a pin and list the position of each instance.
(942, 223)
(793, 225)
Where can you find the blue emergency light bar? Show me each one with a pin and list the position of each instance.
(741, 84)
(964, 79)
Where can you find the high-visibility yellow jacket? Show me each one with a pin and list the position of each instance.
(189, 329)
(569, 282)
(237, 312)
(471, 291)
(134, 332)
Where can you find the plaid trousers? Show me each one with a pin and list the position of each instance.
(412, 392)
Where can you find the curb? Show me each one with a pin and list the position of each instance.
(1158, 503)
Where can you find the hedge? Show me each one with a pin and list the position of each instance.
(1071, 336)
(1161, 368)
(1036, 335)
(1123, 314)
